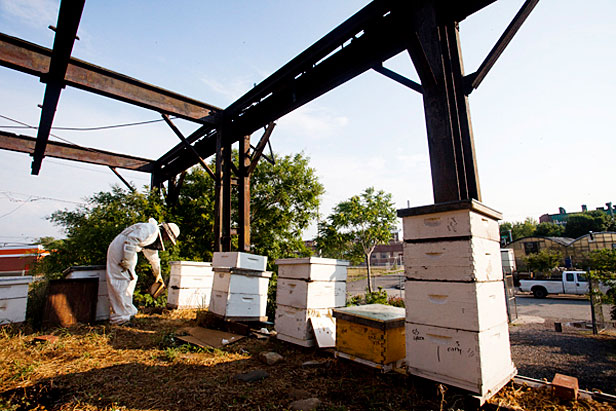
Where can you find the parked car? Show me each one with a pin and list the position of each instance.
(571, 282)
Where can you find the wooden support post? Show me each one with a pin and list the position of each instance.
(226, 195)
(218, 194)
(244, 196)
(434, 48)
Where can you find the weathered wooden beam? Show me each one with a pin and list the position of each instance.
(66, 31)
(25, 144)
(244, 196)
(474, 80)
(188, 145)
(34, 59)
(126, 183)
(256, 156)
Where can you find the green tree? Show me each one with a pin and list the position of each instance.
(543, 261)
(602, 265)
(524, 229)
(549, 230)
(580, 224)
(356, 226)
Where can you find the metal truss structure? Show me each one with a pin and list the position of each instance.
(426, 29)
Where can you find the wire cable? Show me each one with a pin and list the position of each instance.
(95, 128)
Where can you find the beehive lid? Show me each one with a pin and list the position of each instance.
(191, 263)
(243, 271)
(83, 268)
(378, 316)
(311, 260)
(15, 280)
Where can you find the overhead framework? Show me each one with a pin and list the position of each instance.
(426, 29)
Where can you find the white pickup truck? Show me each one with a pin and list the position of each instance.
(572, 282)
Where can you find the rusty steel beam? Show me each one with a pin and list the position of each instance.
(66, 31)
(25, 144)
(474, 80)
(34, 59)
(398, 78)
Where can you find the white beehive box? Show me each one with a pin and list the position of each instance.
(13, 299)
(314, 294)
(313, 268)
(294, 322)
(236, 259)
(477, 362)
(476, 259)
(297, 341)
(188, 297)
(94, 271)
(232, 282)
(457, 223)
(467, 306)
(190, 269)
(238, 305)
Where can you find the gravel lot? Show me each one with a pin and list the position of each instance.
(539, 352)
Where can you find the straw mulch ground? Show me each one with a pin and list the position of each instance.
(143, 367)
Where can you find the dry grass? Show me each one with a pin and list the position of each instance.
(358, 273)
(142, 367)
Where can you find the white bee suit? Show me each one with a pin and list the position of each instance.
(121, 262)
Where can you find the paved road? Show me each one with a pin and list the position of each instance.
(563, 308)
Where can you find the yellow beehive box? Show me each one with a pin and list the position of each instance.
(372, 334)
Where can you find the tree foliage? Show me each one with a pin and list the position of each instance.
(549, 230)
(582, 223)
(602, 264)
(518, 230)
(356, 226)
(543, 261)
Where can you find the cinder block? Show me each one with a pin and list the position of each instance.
(565, 387)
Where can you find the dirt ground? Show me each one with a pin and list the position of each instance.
(144, 367)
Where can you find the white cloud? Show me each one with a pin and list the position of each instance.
(35, 13)
(312, 122)
(230, 89)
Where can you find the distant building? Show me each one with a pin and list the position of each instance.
(18, 260)
(574, 251)
(562, 216)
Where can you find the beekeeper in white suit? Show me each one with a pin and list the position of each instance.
(121, 261)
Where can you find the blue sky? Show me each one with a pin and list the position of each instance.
(542, 119)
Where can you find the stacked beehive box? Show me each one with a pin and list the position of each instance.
(98, 272)
(190, 284)
(456, 320)
(307, 288)
(239, 290)
(13, 299)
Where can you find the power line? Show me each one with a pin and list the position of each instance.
(95, 128)
(32, 197)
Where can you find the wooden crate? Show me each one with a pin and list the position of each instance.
(373, 332)
(98, 272)
(313, 268)
(70, 301)
(475, 259)
(313, 294)
(466, 306)
(479, 362)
